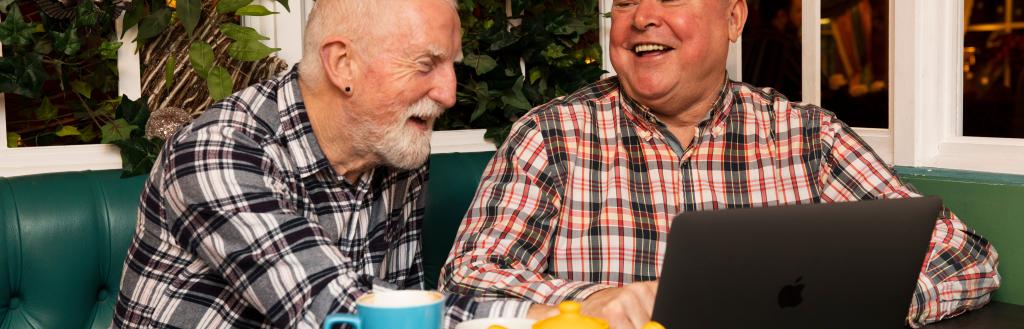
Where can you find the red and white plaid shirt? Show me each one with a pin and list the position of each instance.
(581, 195)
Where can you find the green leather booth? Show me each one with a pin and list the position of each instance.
(65, 236)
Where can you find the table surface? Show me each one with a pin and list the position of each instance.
(994, 315)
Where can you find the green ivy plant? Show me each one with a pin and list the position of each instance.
(60, 76)
(153, 17)
(512, 63)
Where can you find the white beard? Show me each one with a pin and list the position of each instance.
(405, 147)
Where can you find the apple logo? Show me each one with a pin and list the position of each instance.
(791, 295)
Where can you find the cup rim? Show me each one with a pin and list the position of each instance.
(361, 299)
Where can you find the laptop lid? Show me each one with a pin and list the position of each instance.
(834, 265)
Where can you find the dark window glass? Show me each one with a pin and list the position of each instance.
(855, 61)
(771, 46)
(993, 68)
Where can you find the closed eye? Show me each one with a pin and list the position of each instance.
(623, 4)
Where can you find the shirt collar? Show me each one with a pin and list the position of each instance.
(296, 130)
(648, 122)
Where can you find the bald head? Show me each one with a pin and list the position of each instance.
(366, 23)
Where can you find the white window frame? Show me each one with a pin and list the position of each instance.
(880, 139)
(925, 39)
(929, 123)
(45, 159)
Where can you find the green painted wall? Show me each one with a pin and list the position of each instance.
(991, 204)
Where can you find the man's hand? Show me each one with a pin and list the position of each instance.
(541, 312)
(629, 306)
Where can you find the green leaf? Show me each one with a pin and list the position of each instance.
(135, 11)
(82, 88)
(43, 47)
(515, 97)
(219, 83)
(189, 12)
(169, 72)
(200, 55)
(535, 74)
(239, 33)
(138, 155)
(68, 131)
(116, 130)
(14, 31)
(254, 10)
(22, 75)
(483, 99)
(249, 50)
(506, 38)
(153, 24)
(13, 140)
(88, 135)
(285, 4)
(46, 110)
(553, 52)
(66, 42)
(133, 112)
(230, 6)
(85, 14)
(108, 50)
(574, 27)
(481, 63)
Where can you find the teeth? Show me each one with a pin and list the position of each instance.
(648, 47)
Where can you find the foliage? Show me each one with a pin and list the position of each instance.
(154, 17)
(59, 75)
(513, 63)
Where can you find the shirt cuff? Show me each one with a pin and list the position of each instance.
(576, 290)
(502, 308)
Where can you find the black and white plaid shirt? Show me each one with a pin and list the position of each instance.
(244, 224)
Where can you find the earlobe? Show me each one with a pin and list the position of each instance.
(337, 61)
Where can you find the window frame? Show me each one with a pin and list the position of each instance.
(924, 26)
(917, 29)
(46, 159)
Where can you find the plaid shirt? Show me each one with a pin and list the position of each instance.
(581, 195)
(244, 224)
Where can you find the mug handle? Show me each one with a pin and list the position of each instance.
(334, 319)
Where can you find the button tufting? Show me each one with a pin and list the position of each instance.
(102, 295)
(15, 303)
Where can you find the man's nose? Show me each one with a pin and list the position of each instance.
(647, 15)
(444, 90)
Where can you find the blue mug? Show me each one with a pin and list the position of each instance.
(399, 309)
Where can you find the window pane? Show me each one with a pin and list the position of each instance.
(994, 68)
(67, 87)
(771, 46)
(855, 61)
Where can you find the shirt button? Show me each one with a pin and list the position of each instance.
(718, 131)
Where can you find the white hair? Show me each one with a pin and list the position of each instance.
(351, 18)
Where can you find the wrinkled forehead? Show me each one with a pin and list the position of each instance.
(425, 27)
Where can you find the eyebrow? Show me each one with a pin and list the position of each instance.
(438, 53)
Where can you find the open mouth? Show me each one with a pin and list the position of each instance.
(423, 122)
(650, 49)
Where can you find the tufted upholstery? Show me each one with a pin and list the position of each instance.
(64, 242)
(65, 237)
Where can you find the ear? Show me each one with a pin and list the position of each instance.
(737, 18)
(338, 62)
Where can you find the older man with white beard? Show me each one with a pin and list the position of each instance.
(295, 196)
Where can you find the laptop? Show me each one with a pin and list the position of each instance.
(835, 265)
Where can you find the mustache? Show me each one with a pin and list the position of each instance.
(425, 108)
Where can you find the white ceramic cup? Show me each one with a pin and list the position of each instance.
(510, 323)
